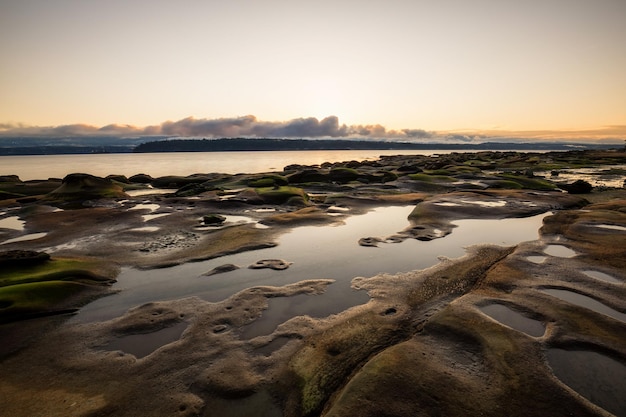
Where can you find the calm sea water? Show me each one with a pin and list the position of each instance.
(33, 167)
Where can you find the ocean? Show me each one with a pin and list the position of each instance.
(41, 167)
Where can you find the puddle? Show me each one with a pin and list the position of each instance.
(231, 221)
(447, 204)
(12, 222)
(317, 252)
(601, 276)
(537, 259)
(586, 302)
(142, 206)
(145, 229)
(513, 319)
(559, 251)
(599, 176)
(272, 346)
(142, 345)
(31, 236)
(259, 404)
(499, 203)
(611, 227)
(264, 210)
(149, 191)
(281, 309)
(596, 377)
(148, 217)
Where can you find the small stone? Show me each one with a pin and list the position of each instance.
(211, 219)
(276, 264)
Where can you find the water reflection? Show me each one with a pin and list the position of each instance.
(596, 377)
(559, 251)
(24, 238)
(513, 319)
(327, 252)
(601, 276)
(586, 302)
(144, 344)
(12, 222)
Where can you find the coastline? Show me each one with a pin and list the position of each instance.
(421, 333)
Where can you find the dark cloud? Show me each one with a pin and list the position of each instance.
(459, 138)
(310, 127)
(418, 133)
(245, 126)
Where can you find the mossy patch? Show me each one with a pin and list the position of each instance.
(431, 178)
(27, 291)
(268, 181)
(529, 183)
(344, 175)
(282, 194)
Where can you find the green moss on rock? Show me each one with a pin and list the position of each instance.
(282, 195)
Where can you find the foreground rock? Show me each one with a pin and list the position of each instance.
(82, 187)
(441, 341)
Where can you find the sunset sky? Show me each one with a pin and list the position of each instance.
(446, 65)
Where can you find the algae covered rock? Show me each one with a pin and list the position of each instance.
(80, 187)
(283, 195)
(32, 284)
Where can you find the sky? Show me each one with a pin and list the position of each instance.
(540, 68)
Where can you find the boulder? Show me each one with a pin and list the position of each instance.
(141, 178)
(308, 175)
(577, 187)
(77, 187)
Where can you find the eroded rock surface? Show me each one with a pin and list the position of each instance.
(420, 346)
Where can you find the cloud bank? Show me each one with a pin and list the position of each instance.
(329, 127)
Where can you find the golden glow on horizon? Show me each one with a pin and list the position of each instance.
(454, 65)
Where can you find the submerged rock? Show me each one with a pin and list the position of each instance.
(221, 269)
(276, 264)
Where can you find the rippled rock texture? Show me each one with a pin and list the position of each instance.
(531, 330)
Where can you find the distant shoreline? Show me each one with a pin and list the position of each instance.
(81, 147)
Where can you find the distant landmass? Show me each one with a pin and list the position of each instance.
(89, 145)
(248, 144)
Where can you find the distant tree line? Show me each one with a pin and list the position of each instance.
(268, 144)
(87, 145)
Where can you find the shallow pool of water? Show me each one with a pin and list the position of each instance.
(559, 251)
(537, 259)
(611, 227)
(12, 222)
(24, 238)
(596, 377)
(144, 344)
(602, 276)
(513, 319)
(316, 252)
(145, 206)
(586, 302)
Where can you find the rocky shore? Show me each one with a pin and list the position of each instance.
(519, 331)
